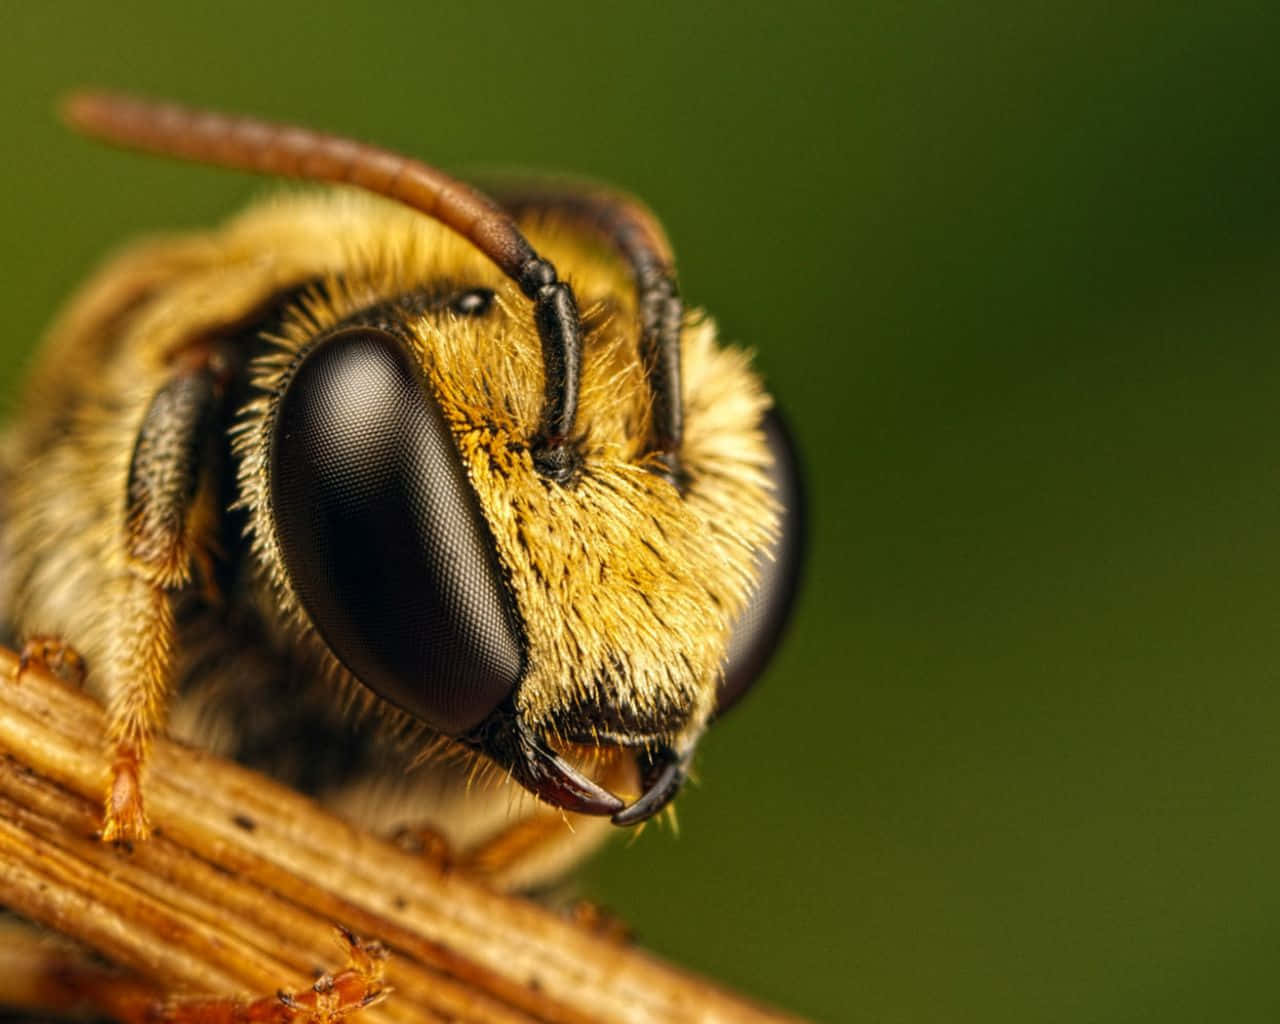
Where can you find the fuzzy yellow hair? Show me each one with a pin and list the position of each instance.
(627, 589)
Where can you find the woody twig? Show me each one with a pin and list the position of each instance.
(239, 892)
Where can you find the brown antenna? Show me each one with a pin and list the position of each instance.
(248, 144)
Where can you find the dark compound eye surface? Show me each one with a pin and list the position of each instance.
(759, 628)
(383, 538)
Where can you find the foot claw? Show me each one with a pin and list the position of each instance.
(427, 843)
(330, 1000)
(594, 918)
(50, 653)
(125, 817)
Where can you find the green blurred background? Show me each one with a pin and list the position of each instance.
(1013, 270)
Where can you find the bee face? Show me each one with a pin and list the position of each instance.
(396, 503)
(494, 485)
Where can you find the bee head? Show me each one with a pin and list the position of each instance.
(528, 543)
(536, 622)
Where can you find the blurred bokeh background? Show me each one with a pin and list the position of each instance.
(1012, 268)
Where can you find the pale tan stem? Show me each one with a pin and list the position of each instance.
(238, 891)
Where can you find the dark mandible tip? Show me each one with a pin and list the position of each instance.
(505, 739)
(662, 772)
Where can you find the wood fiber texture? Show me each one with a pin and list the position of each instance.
(240, 890)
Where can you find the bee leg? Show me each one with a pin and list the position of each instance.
(515, 845)
(42, 979)
(169, 525)
(51, 653)
(428, 843)
(600, 921)
(141, 671)
(330, 999)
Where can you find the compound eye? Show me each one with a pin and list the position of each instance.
(382, 535)
(760, 627)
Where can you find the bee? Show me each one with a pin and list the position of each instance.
(391, 485)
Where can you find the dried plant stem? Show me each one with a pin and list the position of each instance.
(239, 891)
